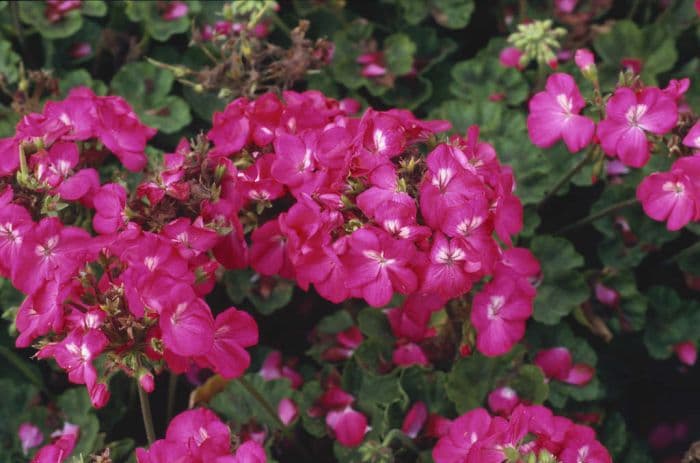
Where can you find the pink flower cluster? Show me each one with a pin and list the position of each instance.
(370, 216)
(135, 293)
(633, 118)
(199, 436)
(530, 430)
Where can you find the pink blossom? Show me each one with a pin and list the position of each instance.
(110, 205)
(188, 326)
(80, 50)
(287, 411)
(556, 363)
(503, 400)
(554, 115)
(415, 419)
(174, 10)
(233, 331)
(464, 432)
(692, 139)
(584, 59)
(30, 436)
(349, 426)
(607, 296)
(686, 352)
(60, 449)
(671, 197)
(499, 312)
(410, 354)
(565, 6)
(381, 266)
(510, 57)
(629, 116)
(146, 382)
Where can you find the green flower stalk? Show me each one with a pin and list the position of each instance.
(538, 41)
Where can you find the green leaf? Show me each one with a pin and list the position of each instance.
(399, 50)
(336, 322)
(80, 77)
(93, 8)
(414, 11)
(480, 78)
(453, 14)
(473, 377)
(33, 13)
(150, 14)
(652, 45)
(671, 320)
(531, 384)
(9, 62)
(563, 288)
(147, 88)
(614, 435)
(239, 406)
(374, 324)
(277, 295)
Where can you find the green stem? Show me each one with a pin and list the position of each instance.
(146, 413)
(23, 368)
(172, 390)
(397, 434)
(567, 177)
(598, 215)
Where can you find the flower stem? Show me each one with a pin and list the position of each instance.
(146, 413)
(172, 389)
(568, 176)
(600, 214)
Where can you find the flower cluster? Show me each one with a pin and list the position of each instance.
(135, 291)
(531, 433)
(634, 116)
(371, 216)
(199, 436)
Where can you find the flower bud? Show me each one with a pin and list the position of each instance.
(146, 381)
(586, 63)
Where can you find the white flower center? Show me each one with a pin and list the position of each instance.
(495, 306)
(676, 188)
(635, 113)
(566, 103)
(379, 258)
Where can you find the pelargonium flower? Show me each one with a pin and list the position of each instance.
(555, 115)
(415, 419)
(629, 115)
(499, 312)
(510, 58)
(30, 436)
(556, 363)
(687, 352)
(670, 197)
(349, 426)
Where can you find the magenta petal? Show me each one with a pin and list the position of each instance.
(580, 375)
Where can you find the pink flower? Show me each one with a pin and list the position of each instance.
(248, 452)
(607, 296)
(110, 205)
(671, 197)
(381, 266)
(80, 50)
(565, 6)
(499, 312)
(556, 363)
(349, 426)
(187, 325)
(554, 115)
(287, 411)
(410, 354)
(629, 116)
(30, 436)
(692, 139)
(415, 419)
(464, 432)
(584, 59)
(510, 58)
(503, 400)
(146, 382)
(686, 352)
(233, 331)
(174, 10)
(61, 447)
